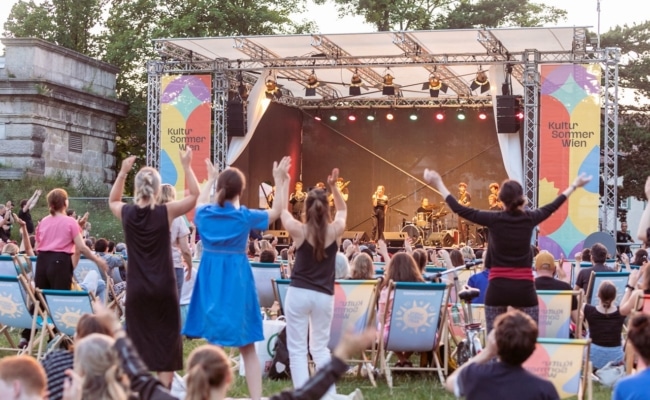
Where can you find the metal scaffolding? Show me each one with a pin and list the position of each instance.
(611, 58)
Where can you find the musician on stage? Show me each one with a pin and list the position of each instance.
(342, 186)
(493, 199)
(464, 199)
(379, 208)
(297, 201)
(425, 207)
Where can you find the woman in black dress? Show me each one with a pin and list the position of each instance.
(152, 314)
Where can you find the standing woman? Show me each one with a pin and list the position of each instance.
(511, 280)
(379, 207)
(152, 312)
(224, 308)
(310, 298)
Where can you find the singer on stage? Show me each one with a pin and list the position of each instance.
(379, 207)
(464, 199)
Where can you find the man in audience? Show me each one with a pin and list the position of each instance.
(512, 340)
(635, 387)
(22, 378)
(115, 263)
(598, 258)
(546, 269)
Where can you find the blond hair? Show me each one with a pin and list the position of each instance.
(208, 368)
(99, 366)
(147, 186)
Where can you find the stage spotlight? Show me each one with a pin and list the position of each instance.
(370, 116)
(352, 117)
(333, 117)
(413, 116)
(355, 84)
(520, 115)
(482, 115)
(388, 89)
(390, 116)
(481, 81)
(318, 116)
(440, 115)
(434, 85)
(312, 84)
(272, 90)
(460, 114)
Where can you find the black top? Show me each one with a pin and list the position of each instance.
(623, 237)
(498, 380)
(311, 274)
(510, 233)
(549, 283)
(582, 281)
(27, 217)
(381, 202)
(604, 329)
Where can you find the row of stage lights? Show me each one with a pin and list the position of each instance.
(440, 115)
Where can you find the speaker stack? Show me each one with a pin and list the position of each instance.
(361, 236)
(507, 109)
(395, 239)
(441, 239)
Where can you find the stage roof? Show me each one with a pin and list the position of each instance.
(410, 57)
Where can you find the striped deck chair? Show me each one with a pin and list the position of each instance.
(417, 320)
(15, 297)
(564, 362)
(555, 313)
(264, 274)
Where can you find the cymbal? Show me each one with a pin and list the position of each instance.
(430, 207)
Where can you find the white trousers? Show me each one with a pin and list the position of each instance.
(308, 310)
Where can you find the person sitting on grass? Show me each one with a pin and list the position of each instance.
(512, 340)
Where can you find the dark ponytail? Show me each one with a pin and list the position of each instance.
(230, 184)
(317, 220)
(512, 196)
(607, 294)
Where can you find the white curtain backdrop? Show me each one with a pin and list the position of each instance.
(257, 106)
(509, 142)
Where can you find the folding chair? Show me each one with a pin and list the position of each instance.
(619, 279)
(642, 306)
(264, 273)
(354, 309)
(86, 265)
(555, 313)
(280, 287)
(15, 297)
(417, 320)
(7, 266)
(564, 362)
(65, 307)
(23, 264)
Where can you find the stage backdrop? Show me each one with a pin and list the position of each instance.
(569, 144)
(185, 121)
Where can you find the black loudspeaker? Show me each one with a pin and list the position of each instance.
(441, 239)
(283, 236)
(395, 239)
(235, 119)
(507, 109)
(361, 236)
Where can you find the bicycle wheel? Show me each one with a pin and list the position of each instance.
(462, 352)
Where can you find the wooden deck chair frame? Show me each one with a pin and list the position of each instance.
(439, 311)
(14, 306)
(619, 279)
(116, 303)
(24, 265)
(642, 306)
(552, 294)
(545, 345)
(63, 320)
(264, 274)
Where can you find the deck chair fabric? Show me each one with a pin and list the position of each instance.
(619, 279)
(564, 362)
(23, 265)
(280, 287)
(15, 313)
(65, 307)
(354, 307)
(7, 266)
(555, 312)
(416, 322)
(263, 274)
(642, 306)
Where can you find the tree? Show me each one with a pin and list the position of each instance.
(387, 15)
(634, 119)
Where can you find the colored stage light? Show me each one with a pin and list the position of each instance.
(440, 116)
(352, 117)
(482, 115)
(520, 115)
(460, 114)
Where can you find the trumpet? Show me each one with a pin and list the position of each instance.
(344, 185)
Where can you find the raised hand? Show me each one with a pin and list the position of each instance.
(213, 172)
(186, 157)
(432, 177)
(281, 169)
(333, 177)
(127, 164)
(582, 180)
(18, 220)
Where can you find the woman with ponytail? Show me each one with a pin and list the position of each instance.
(511, 280)
(152, 312)
(605, 323)
(309, 303)
(224, 308)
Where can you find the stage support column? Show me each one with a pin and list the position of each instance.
(220, 104)
(155, 70)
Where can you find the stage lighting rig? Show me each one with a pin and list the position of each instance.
(272, 88)
(388, 87)
(481, 81)
(312, 84)
(435, 85)
(460, 114)
(355, 84)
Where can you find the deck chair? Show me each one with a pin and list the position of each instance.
(7, 266)
(642, 306)
(23, 264)
(14, 313)
(417, 320)
(463, 278)
(65, 307)
(264, 273)
(354, 309)
(555, 313)
(280, 287)
(564, 362)
(86, 265)
(619, 279)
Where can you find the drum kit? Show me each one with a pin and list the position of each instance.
(425, 223)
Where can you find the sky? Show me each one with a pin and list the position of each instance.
(580, 13)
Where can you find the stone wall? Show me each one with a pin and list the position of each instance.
(58, 111)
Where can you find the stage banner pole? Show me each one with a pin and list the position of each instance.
(569, 144)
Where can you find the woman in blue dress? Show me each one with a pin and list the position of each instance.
(224, 308)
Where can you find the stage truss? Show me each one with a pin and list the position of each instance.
(227, 74)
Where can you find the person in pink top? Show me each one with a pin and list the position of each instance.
(59, 244)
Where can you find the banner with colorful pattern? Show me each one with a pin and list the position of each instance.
(569, 144)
